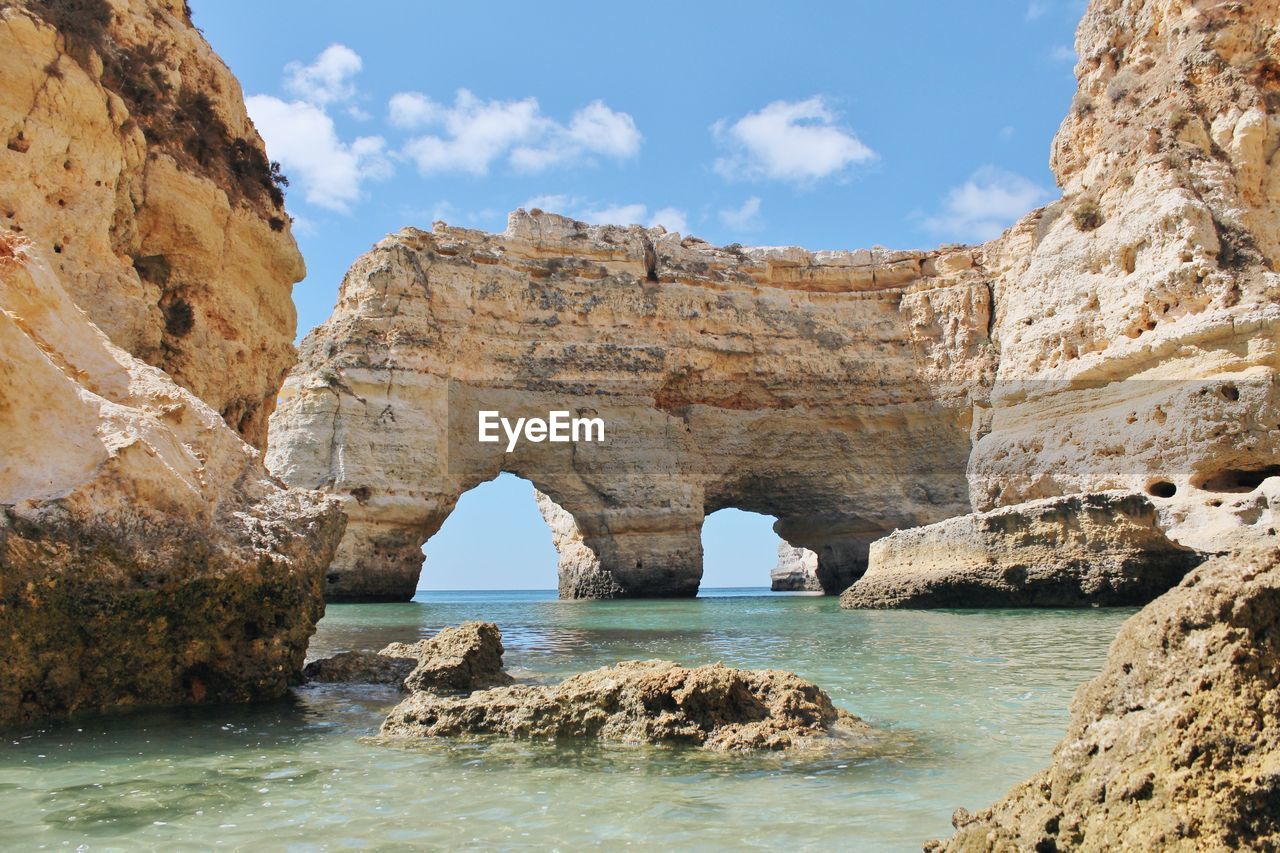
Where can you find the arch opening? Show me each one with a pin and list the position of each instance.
(739, 550)
(495, 538)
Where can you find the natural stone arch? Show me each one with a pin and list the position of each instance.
(830, 390)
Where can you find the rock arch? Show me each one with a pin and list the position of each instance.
(832, 390)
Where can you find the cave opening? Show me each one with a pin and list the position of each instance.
(495, 539)
(1238, 479)
(739, 550)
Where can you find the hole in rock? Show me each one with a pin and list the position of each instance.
(1238, 479)
(495, 538)
(1162, 489)
(739, 549)
(1230, 392)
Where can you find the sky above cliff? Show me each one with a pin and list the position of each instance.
(832, 125)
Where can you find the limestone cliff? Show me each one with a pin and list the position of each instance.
(828, 389)
(1136, 319)
(145, 555)
(126, 155)
(796, 570)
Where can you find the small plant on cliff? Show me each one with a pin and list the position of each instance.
(1087, 215)
(83, 23)
(1121, 85)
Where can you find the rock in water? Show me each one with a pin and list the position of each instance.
(1097, 549)
(640, 702)
(468, 657)
(463, 658)
(146, 557)
(796, 571)
(359, 667)
(1176, 745)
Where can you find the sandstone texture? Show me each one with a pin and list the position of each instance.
(1096, 549)
(463, 658)
(1176, 745)
(715, 707)
(127, 157)
(796, 571)
(146, 557)
(821, 388)
(1136, 318)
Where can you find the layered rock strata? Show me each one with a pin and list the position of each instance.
(1097, 549)
(825, 389)
(126, 155)
(796, 571)
(1136, 318)
(1176, 745)
(714, 707)
(146, 557)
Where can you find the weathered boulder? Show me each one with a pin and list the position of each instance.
(126, 155)
(1176, 745)
(1095, 549)
(360, 667)
(146, 557)
(820, 388)
(463, 658)
(796, 571)
(641, 702)
(1137, 318)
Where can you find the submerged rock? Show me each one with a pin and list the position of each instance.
(640, 702)
(796, 571)
(1075, 551)
(1177, 743)
(462, 658)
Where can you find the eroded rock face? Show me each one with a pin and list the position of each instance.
(1098, 549)
(360, 667)
(146, 557)
(1177, 743)
(821, 388)
(1137, 317)
(715, 707)
(796, 571)
(126, 155)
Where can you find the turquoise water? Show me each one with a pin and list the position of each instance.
(969, 703)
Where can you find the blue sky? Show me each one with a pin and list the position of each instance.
(825, 125)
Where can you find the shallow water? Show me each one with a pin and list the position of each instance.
(969, 703)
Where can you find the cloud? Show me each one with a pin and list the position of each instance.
(670, 218)
(328, 79)
(744, 218)
(984, 205)
(1063, 53)
(302, 137)
(1037, 9)
(1008, 131)
(474, 133)
(797, 141)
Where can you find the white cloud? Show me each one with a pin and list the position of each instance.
(328, 79)
(1037, 9)
(744, 218)
(302, 137)
(475, 133)
(670, 218)
(1008, 131)
(1063, 53)
(986, 204)
(797, 141)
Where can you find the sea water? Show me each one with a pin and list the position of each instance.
(966, 703)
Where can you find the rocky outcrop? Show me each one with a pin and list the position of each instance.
(146, 557)
(1136, 318)
(127, 157)
(820, 388)
(1098, 549)
(796, 571)
(463, 658)
(1176, 745)
(641, 702)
